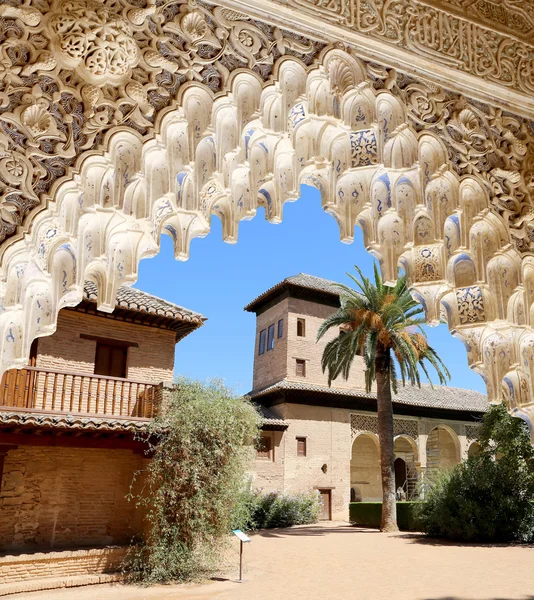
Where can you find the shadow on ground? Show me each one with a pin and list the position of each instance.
(499, 598)
(311, 531)
(414, 538)
(420, 538)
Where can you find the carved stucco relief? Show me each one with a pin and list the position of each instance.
(72, 70)
(514, 16)
(451, 38)
(369, 424)
(351, 130)
(176, 112)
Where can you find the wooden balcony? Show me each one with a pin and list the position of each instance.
(47, 391)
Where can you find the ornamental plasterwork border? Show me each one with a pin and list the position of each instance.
(365, 423)
(447, 39)
(73, 71)
(516, 18)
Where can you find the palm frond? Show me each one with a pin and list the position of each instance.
(374, 319)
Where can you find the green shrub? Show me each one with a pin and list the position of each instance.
(194, 483)
(489, 498)
(282, 510)
(366, 514)
(369, 514)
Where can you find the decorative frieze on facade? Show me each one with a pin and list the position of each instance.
(407, 427)
(360, 423)
(472, 432)
(449, 37)
(516, 16)
(363, 424)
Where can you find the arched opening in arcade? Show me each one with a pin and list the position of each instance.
(406, 472)
(442, 450)
(473, 450)
(365, 480)
(377, 157)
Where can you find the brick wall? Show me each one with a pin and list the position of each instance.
(24, 573)
(152, 361)
(311, 351)
(21, 567)
(329, 442)
(268, 475)
(54, 497)
(272, 365)
(280, 363)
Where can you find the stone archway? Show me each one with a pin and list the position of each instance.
(365, 480)
(442, 450)
(473, 450)
(239, 116)
(406, 471)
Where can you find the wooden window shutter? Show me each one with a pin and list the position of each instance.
(301, 368)
(111, 360)
(265, 447)
(301, 446)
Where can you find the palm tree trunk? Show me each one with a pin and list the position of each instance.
(385, 434)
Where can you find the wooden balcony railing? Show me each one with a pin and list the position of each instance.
(45, 390)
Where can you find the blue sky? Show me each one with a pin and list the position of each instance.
(219, 279)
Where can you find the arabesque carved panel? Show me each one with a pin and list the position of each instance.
(369, 423)
(73, 70)
(450, 37)
(145, 118)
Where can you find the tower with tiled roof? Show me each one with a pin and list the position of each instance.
(326, 437)
(288, 316)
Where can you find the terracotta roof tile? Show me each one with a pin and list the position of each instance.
(303, 280)
(269, 418)
(73, 422)
(135, 300)
(442, 397)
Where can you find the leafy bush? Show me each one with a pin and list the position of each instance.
(489, 498)
(193, 485)
(369, 514)
(282, 510)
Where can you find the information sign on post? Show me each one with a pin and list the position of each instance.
(243, 539)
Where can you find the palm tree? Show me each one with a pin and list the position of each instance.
(382, 323)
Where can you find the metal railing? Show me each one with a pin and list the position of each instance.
(46, 390)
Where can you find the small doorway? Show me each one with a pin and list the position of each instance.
(400, 474)
(326, 500)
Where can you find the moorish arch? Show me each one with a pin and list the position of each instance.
(365, 478)
(406, 465)
(442, 450)
(473, 450)
(186, 110)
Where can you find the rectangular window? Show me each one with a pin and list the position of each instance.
(263, 339)
(280, 328)
(301, 446)
(301, 327)
(111, 360)
(270, 337)
(265, 447)
(301, 368)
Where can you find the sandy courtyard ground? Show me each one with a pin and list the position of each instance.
(338, 562)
